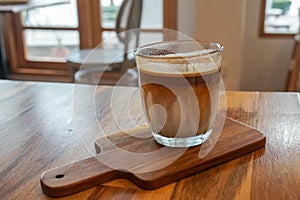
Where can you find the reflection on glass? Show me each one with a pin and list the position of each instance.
(281, 16)
(50, 44)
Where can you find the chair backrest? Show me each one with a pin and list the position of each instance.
(129, 17)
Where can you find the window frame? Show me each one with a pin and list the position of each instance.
(89, 36)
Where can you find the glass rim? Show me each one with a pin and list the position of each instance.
(218, 47)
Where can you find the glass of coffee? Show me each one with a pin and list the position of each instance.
(179, 83)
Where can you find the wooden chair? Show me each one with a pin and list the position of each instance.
(111, 63)
(293, 75)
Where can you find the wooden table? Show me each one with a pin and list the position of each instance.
(38, 132)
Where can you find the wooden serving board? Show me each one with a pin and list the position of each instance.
(137, 157)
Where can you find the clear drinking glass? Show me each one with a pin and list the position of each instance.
(179, 83)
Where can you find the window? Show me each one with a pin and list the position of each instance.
(50, 34)
(109, 12)
(279, 18)
(40, 37)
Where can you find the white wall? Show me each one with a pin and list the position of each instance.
(249, 62)
(221, 21)
(186, 17)
(265, 60)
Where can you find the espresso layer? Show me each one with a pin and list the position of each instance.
(187, 103)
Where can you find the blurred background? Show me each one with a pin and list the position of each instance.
(258, 35)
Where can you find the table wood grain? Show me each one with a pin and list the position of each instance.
(40, 130)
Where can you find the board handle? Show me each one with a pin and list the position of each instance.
(75, 177)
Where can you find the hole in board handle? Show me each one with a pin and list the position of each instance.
(59, 176)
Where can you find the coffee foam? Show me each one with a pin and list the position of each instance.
(167, 63)
(182, 69)
(166, 53)
(203, 52)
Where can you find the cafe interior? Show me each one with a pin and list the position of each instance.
(70, 97)
(49, 40)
